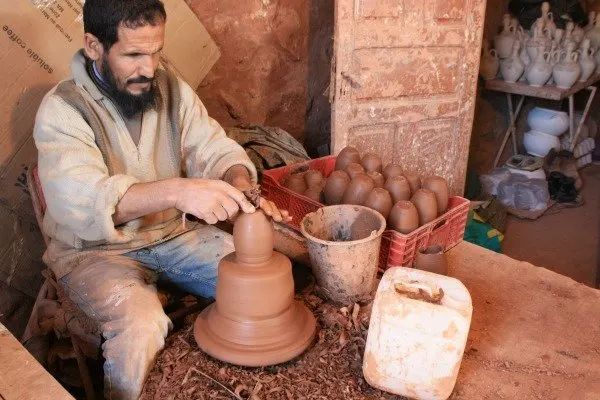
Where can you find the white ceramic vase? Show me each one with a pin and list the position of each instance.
(591, 22)
(512, 68)
(540, 70)
(549, 121)
(538, 39)
(503, 42)
(587, 61)
(490, 64)
(546, 20)
(566, 72)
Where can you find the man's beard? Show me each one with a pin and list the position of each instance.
(129, 104)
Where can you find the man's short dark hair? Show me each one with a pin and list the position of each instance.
(102, 18)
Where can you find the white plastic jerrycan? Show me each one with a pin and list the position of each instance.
(417, 334)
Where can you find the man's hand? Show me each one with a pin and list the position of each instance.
(238, 177)
(211, 200)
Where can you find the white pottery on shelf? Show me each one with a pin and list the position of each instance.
(566, 72)
(540, 70)
(591, 22)
(490, 64)
(587, 61)
(512, 68)
(548, 121)
(504, 41)
(568, 39)
(578, 34)
(539, 143)
(546, 20)
(553, 59)
(594, 33)
(538, 39)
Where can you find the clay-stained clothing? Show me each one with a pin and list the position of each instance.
(87, 161)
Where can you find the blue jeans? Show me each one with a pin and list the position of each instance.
(119, 292)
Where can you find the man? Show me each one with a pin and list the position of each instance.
(125, 149)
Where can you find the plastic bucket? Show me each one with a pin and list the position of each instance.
(343, 245)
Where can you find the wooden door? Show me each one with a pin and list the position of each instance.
(404, 81)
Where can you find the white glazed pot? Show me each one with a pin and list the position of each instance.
(587, 61)
(548, 121)
(539, 143)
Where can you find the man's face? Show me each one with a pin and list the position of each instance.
(133, 60)
(129, 66)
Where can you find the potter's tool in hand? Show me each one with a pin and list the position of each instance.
(255, 320)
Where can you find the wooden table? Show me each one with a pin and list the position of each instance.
(549, 92)
(21, 376)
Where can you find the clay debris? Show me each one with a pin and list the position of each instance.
(330, 369)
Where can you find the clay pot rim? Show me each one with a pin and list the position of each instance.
(378, 233)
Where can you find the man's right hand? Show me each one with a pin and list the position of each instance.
(211, 200)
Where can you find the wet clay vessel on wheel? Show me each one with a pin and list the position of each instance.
(438, 185)
(424, 200)
(346, 156)
(335, 187)
(255, 320)
(431, 259)
(379, 200)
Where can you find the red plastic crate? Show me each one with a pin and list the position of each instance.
(396, 249)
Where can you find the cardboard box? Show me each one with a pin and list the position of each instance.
(37, 41)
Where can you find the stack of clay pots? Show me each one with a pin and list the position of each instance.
(405, 200)
(544, 55)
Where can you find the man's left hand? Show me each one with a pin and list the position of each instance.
(238, 177)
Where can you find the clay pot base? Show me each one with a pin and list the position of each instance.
(256, 343)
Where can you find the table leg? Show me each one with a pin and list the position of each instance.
(571, 118)
(513, 114)
(586, 111)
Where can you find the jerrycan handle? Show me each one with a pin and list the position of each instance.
(427, 292)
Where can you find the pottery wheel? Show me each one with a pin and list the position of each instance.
(235, 348)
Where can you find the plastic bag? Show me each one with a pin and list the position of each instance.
(523, 193)
(491, 181)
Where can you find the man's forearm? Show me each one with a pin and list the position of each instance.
(146, 198)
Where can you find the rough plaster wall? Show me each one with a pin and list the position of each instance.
(261, 76)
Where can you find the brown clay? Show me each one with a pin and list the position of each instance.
(404, 217)
(398, 187)
(439, 186)
(378, 179)
(431, 259)
(255, 320)
(346, 156)
(426, 204)
(391, 170)
(295, 183)
(371, 162)
(314, 193)
(335, 186)
(414, 180)
(379, 200)
(354, 169)
(313, 178)
(358, 190)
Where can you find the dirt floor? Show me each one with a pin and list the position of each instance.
(566, 241)
(534, 335)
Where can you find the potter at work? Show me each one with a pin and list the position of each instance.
(125, 150)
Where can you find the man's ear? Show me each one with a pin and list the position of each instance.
(92, 46)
